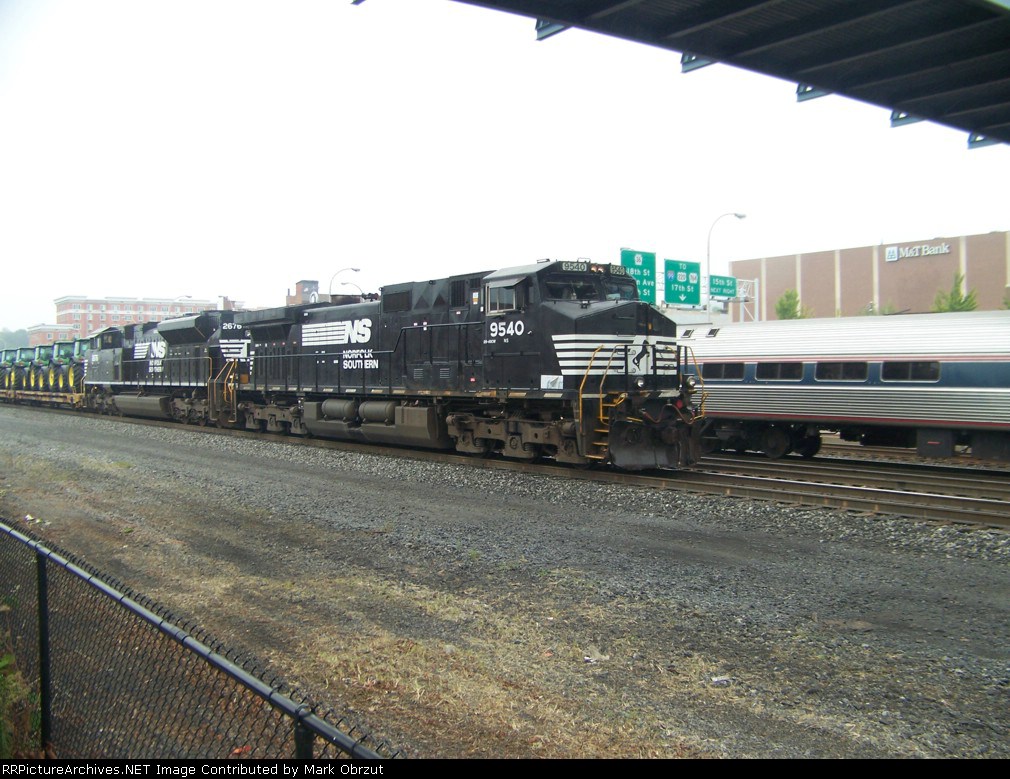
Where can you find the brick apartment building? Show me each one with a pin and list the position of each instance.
(78, 316)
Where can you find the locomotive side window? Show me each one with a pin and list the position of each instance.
(503, 299)
(841, 371)
(779, 371)
(722, 370)
(910, 371)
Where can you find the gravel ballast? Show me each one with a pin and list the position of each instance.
(461, 611)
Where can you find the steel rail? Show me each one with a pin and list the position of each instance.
(907, 477)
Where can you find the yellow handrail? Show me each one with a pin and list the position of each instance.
(224, 379)
(582, 384)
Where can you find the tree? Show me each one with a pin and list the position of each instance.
(13, 339)
(788, 306)
(955, 300)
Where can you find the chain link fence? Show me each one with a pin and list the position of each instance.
(110, 674)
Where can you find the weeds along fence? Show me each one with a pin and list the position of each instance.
(107, 673)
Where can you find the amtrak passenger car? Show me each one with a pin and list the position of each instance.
(931, 381)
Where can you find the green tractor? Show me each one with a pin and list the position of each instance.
(7, 358)
(20, 375)
(60, 364)
(39, 371)
(76, 365)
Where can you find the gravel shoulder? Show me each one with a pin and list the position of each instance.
(461, 612)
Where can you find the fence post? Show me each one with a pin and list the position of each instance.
(304, 740)
(45, 689)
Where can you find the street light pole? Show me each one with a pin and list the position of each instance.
(708, 255)
(329, 290)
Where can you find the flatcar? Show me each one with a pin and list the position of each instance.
(936, 382)
(556, 359)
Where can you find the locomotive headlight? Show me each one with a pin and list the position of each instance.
(691, 383)
(640, 382)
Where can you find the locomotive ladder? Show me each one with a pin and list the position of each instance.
(599, 447)
(224, 390)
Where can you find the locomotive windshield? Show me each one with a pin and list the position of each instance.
(579, 286)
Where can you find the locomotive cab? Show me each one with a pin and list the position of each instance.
(577, 331)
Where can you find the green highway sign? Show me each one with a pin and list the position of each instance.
(683, 283)
(722, 286)
(641, 267)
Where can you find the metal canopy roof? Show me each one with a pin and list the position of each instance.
(943, 60)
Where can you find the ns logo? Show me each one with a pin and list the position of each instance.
(153, 350)
(358, 331)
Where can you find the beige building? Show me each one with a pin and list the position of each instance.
(41, 335)
(889, 278)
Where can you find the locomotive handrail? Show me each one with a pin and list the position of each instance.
(422, 328)
(582, 384)
(229, 396)
(701, 381)
(623, 396)
(168, 378)
(223, 379)
(458, 325)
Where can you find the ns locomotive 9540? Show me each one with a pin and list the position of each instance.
(559, 360)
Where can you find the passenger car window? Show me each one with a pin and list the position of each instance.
(722, 370)
(779, 371)
(841, 371)
(924, 370)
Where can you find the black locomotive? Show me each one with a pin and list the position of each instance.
(557, 360)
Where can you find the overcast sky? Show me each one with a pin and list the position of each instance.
(233, 147)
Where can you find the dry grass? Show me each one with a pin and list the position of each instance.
(462, 675)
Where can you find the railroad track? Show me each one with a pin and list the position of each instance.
(854, 451)
(941, 493)
(983, 501)
(925, 492)
(929, 492)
